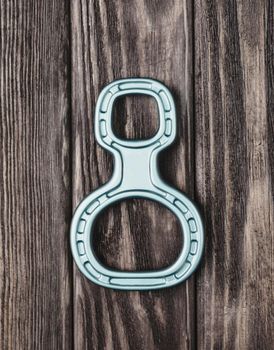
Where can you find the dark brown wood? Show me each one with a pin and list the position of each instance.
(50, 161)
(110, 40)
(234, 162)
(35, 209)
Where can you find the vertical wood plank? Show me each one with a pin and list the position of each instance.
(35, 209)
(234, 163)
(111, 40)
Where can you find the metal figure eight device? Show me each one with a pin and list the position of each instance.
(136, 175)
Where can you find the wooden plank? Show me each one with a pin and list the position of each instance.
(111, 40)
(35, 209)
(234, 163)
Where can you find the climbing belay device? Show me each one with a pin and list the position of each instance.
(136, 175)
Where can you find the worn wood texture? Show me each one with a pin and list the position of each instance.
(110, 40)
(224, 152)
(234, 172)
(35, 209)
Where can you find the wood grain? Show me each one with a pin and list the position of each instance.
(234, 172)
(35, 209)
(110, 40)
(50, 162)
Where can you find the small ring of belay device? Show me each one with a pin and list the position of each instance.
(135, 175)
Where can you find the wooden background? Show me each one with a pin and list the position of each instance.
(217, 58)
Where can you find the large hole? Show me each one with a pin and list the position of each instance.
(135, 117)
(137, 235)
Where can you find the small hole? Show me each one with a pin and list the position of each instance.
(137, 235)
(135, 117)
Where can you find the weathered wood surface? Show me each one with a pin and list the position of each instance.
(110, 40)
(50, 161)
(234, 172)
(35, 208)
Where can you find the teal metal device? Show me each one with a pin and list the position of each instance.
(136, 175)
